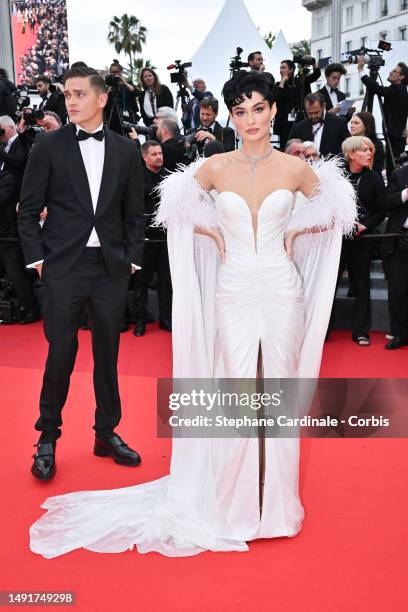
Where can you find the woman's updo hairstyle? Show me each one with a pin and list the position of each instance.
(244, 84)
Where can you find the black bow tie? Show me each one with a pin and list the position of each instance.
(82, 135)
(206, 129)
(333, 89)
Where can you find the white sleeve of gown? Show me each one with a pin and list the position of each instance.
(194, 262)
(333, 209)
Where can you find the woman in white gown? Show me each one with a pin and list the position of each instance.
(246, 286)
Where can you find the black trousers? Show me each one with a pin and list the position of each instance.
(12, 259)
(396, 269)
(89, 284)
(155, 259)
(356, 256)
(398, 147)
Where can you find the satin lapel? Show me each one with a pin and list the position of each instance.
(76, 170)
(110, 173)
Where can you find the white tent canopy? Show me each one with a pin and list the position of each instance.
(233, 28)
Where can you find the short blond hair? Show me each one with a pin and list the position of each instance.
(356, 143)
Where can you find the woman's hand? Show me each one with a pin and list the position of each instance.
(289, 242)
(216, 235)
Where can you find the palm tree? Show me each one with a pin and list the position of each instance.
(270, 39)
(303, 47)
(127, 35)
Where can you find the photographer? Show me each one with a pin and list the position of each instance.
(256, 62)
(123, 92)
(395, 106)
(11, 255)
(13, 156)
(209, 128)
(51, 99)
(290, 93)
(363, 124)
(153, 96)
(155, 255)
(8, 104)
(199, 92)
(394, 251)
(173, 148)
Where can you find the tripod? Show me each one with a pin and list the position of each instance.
(115, 118)
(183, 98)
(368, 106)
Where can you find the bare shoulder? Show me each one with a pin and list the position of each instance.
(207, 173)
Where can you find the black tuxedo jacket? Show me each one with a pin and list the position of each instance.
(56, 177)
(340, 97)
(396, 208)
(226, 135)
(334, 132)
(15, 160)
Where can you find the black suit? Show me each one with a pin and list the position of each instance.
(11, 256)
(15, 160)
(395, 252)
(334, 133)
(173, 153)
(55, 103)
(73, 275)
(225, 135)
(340, 97)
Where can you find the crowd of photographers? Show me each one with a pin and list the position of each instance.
(308, 125)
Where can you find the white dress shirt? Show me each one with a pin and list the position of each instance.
(404, 198)
(147, 104)
(332, 96)
(317, 132)
(93, 155)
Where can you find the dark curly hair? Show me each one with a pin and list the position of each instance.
(244, 84)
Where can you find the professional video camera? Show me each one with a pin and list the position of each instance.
(112, 80)
(236, 63)
(372, 57)
(21, 97)
(180, 71)
(148, 132)
(31, 115)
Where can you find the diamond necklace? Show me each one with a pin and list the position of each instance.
(254, 159)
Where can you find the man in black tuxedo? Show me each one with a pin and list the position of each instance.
(90, 180)
(51, 100)
(324, 129)
(13, 153)
(395, 98)
(210, 130)
(395, 253)
(331, 92)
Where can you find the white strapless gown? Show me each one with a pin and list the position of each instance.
(210, 499)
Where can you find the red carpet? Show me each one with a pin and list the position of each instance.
(352, 552)
(21, 42)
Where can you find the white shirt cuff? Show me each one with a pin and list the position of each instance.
(404, 195)
(32, 265)
(135, 267)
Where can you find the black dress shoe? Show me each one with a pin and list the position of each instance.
(165, 324)
(44, 466)
(125, 327)
(31, 316)
(140, 329)
(116, 448)
(396, 343)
